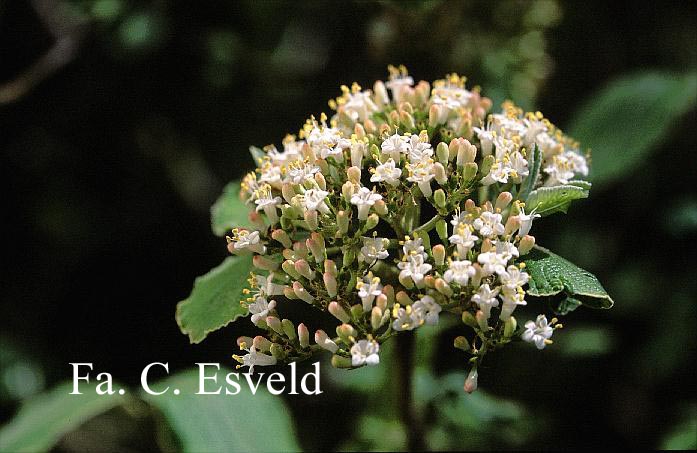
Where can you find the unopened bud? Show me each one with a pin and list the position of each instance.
(471, 381)
(407, 120)
(311, 220)
(321, 182)
(388, 290)
(346, 332)
(487, 162)
(349, 257)
(289, 268)
(278, 352)
(257, 220)
(443, 287)
(466, 153)
(461, 343)
(380, 207)
(330, 283)
(303, 336)
(442, 230)
(470, 172)
(354, 175)
(342, 222)
(287, 191)
(330, 267)
(282, 237)
(509, 327)
(264, 263)
(347, 191)
(439, 198)
(338, 312)
(470, 206)
(302, 293)
(469, 320)
(288, 328)
(244, 342)
(503, 200)
(371, 222)
(261, 343)
(406, 281)
(442, 153)
(275, 324)
(381, 302)
(438, 253)
(359, 131)
(303, 268)
(482, 318)
(376, 318)
(289, 293)
(526, 244)
(403, 298)
(430, 281)
(512, 224)
(440, 174)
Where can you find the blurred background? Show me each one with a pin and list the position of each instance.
(121, 121)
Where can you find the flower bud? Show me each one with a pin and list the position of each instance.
(289, 293)
(503, 200)
(376, 318)
(338, 312)
(261, 343)
(393, 118)
(466, 153)
(289, 268)
(302, 293)
(430, 281)
(442, 153)
(509, 327)
(470, 172)
(487, 162)
(512, 224)
(381, 302)
(325, 342)
(359, 131)
(330, 284)
(354, 175)
(349, 256)
(438, 252)
(482, 318)
(439, 198)
(275, 324)
(371, 222)
(469, 320)
(342, 222)
(487, 245)
(318, 249)
(282, 237)
(288, 328)
(303, 335)
(346, 332)
(461, 343)
(311, 220)
(407, 120)
(321, 182)
(405, 281)
(347, 191)
(380, 207)
(370, 126)
(470, 207)
(303, 269)
(388, 290)
(443, 287)
(526, 244)
(330, 267)
(357, 152)
(471, 381)
(257, 220)
(403, 298)
(278, 352)
(341, 361)
(442, 230)
(440, 174)
(263, 263)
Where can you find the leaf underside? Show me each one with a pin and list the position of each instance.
(229, 211)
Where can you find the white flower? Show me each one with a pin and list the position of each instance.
(493, 263)
(265, 287)
(514, 278)
(270, 174)
(406, 318)
(368, 288)
(518, 166)
(359, 106)
(299, 172)
(526, 221)
(506, 249)
(499, 173)
(418, 150)
(511, 299)
(394, 146)
(489, 224)
(254, 358)
(461, 218)
(398, 83)
(486, 138)
(364, 199)
(427, 309)
(463, 238)
(387, 172)
(578, 162)
(450, 96)
(422, 173)
(485, 297)
(414, 268)
(459, 272)
(242, 240)
(313, 200)
(413, 247)
(538, 332)
(562, 168)
(365, 352)
(267, 202)
(373, 249)
(260, 309)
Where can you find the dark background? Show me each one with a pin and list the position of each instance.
(114, 144)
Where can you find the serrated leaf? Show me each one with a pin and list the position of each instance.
(229, 211)
(215, 299)
(45, 419)
(534, 164)
(626, 120)
(548, 200)
(580, 183)
(550, 274)
(209, 423)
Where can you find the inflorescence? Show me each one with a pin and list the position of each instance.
(403, 206)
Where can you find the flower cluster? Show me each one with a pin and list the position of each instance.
(405, 205)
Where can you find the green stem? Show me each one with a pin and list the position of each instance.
(406, 345)
(428, 226)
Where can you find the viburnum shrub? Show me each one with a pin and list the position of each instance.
(409, 203)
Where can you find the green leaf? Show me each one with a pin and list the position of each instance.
(45, 419)
(548, 200)
(550, 275)
(241, 422)
(215, 300)
(229, 211)
(534, 164)
(626, 120)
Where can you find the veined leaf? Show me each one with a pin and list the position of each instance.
(548, 200)
(212, 423)
(625, 121)
(46, 418)
(534, 164)
(229, 211)
(550, 275)
(215, 300)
